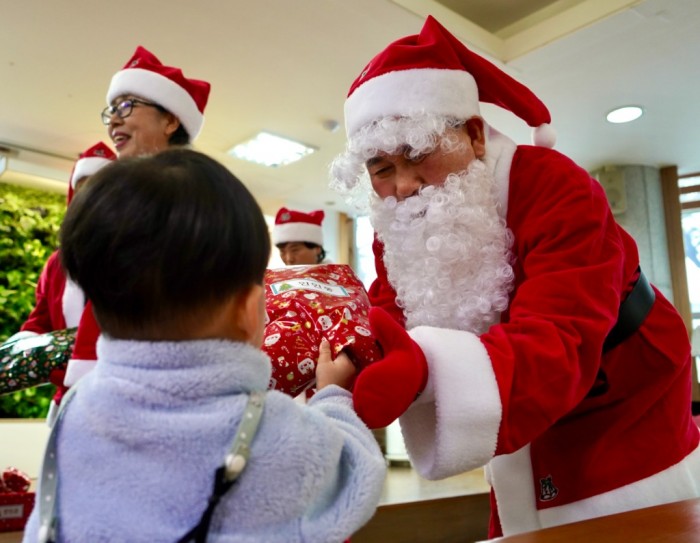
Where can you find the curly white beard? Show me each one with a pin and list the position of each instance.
(447, 252)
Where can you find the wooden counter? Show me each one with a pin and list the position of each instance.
(677, 522)
(413, 510)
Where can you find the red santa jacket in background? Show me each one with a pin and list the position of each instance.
(59, 302)
(518, 397)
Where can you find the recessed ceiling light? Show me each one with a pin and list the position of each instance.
(270, 150)
(624, 114)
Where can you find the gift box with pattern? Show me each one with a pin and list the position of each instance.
(305, 304)
(16, 503)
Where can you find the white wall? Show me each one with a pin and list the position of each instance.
(22, 444)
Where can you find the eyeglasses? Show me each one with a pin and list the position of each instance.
(124, 108)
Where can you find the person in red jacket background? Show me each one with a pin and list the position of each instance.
(59, 301)
(518, 330)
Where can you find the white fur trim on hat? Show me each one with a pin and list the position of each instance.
(161, 90)
(87, 166)
(297, 231)
(448, 93)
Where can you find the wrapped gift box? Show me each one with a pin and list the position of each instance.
(15, 508)
(305, 304)
(28, 361)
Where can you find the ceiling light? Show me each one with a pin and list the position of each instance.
(624, 114)
(270, 150)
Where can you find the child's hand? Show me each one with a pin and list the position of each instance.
(340, 371)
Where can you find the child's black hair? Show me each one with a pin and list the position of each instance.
(150, 239)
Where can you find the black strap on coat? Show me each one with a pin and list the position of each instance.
(198, 534)
(235, 463)
(633, 310)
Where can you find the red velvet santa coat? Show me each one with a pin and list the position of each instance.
(59, 303)
(517, 397)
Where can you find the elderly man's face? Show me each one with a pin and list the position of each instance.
(402, 177)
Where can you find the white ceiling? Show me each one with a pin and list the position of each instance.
(285, 66)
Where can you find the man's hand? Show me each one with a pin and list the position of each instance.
(340, 371)
(386, 388)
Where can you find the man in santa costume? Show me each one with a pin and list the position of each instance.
(524, 336)
(59, 301)
(299, 237)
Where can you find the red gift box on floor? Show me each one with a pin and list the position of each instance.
(15, 508)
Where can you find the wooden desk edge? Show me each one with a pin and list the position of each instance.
(675, 521)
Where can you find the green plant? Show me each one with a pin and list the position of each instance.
(29, 224)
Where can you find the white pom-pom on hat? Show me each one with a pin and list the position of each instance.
(544, 136)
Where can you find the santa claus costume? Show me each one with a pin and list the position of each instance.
(563, 371)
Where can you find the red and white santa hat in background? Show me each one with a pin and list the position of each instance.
(297, 226)
(145, 76)
(89, 162)
(434, 73)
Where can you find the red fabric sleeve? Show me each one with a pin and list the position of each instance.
(573, 264)
(381, 293)
(47, 314)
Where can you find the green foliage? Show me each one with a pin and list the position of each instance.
(29, 224)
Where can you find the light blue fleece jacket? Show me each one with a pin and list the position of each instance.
(140, 441)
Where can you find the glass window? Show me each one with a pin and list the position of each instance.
(275, 259)
(690, 220)
(364, 258)
(691, 240)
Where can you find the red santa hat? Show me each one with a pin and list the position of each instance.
(145, 76)
(293, 225)
(89, 162)
(434, 73)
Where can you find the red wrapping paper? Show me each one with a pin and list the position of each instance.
(305, 304)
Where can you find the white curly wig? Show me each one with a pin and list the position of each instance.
(415, 135)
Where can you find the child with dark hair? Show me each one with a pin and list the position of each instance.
(172, 250)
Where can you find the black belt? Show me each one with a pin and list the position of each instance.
(633, 310)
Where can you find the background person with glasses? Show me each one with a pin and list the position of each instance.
(152, 107)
